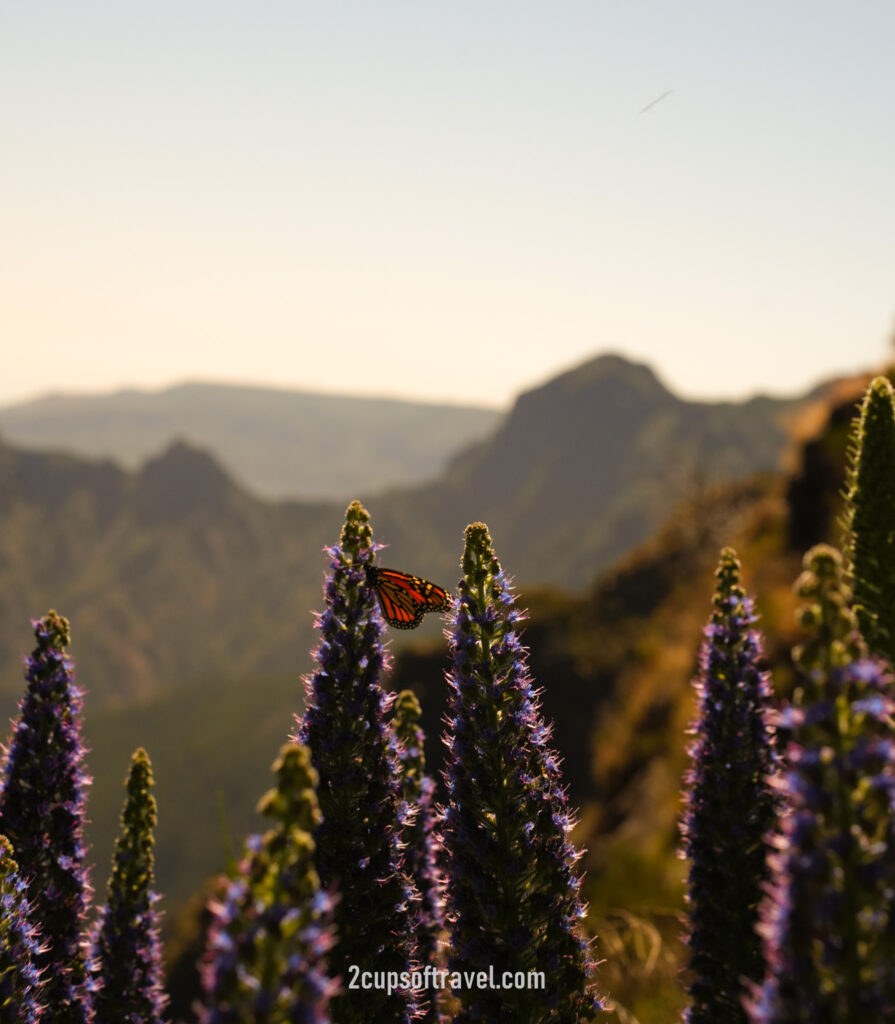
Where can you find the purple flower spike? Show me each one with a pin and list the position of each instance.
(272, 930)
(345, 727)
(422, 845)
(869, 518)
(512, 893)
(20, 997)
(731, 807)
(829, 920)
(126, 965)
(42, 815)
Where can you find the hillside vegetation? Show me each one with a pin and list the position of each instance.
(174, 573)
(614, 663)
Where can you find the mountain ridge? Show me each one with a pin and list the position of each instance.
(586, 464)
(279, 443)
(176, 572)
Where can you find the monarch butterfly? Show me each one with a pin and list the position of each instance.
(405, 599)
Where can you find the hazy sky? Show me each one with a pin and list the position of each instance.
(444, 200)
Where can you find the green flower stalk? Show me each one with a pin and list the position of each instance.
(271, 932)
(870, 519)
(345, 727)
(20, 1000)
(42, 815)
(829, 921)
(513, 903)
(126, 966)
(422, 845)
(731, 806)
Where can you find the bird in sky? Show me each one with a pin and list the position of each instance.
(658, 99)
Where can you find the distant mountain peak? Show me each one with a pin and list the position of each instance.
(610, 387)
(181, 479)
(613, 368)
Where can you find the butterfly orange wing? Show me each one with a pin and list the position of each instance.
(404, 599)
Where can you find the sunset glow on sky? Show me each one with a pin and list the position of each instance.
(445, 201)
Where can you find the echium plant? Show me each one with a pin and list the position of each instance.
(270, 933)
(512, 894)
(20, 999)
(422, 845)
(125, 963)
(346, 728)
(42, 815)
(870, 518)
(829, 921)
(731, 806)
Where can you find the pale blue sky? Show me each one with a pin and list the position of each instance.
(444, 200)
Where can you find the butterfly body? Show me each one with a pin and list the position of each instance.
(405, 599)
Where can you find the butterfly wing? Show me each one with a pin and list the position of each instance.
(405, 599)
(401, 603)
